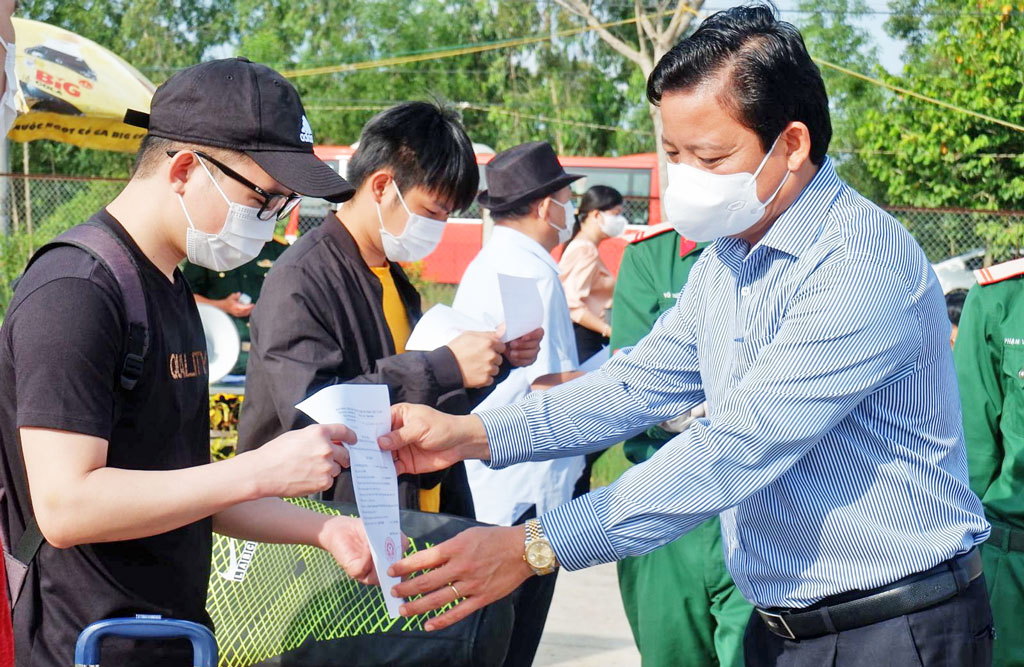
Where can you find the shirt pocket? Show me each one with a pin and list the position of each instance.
(1013, 390)
(1013, 367)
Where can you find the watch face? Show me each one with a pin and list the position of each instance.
(540, 555)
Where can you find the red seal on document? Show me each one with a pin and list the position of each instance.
(389, 549)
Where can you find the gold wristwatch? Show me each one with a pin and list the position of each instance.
(538, 553)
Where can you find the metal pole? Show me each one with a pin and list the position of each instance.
(5, 186)
(28, 199)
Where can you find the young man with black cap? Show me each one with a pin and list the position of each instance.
(338, 307)
(117, 479)
(529, 200)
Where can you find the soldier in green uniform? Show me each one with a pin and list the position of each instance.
(989, 354)
(681, 602)
(235, 292)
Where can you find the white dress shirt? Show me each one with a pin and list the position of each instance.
(502, 496)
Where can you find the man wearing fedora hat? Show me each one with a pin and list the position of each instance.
(530, 202)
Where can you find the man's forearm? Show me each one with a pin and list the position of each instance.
(113, 504)
(272, 520)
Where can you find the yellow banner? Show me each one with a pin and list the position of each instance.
(103, 133)
(74, 90)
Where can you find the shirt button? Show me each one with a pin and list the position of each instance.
(1020, 374)
(745, 291)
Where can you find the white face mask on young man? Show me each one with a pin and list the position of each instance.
(417, 240)
(564, 233)
(238, 242)
(703, 206)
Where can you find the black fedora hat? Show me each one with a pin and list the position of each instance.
(523, 174)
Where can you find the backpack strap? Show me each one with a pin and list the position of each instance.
(29, 542)
(111, 252)
(102, 244)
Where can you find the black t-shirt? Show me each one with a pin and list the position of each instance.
(61, 350)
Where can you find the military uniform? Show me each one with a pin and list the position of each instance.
(247, 279)
(681, 602)
(989, 355)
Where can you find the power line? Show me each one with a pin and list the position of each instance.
(487, 109)
(468, 49)
(916, 95)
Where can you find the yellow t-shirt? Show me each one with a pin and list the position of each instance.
(398, 324)
(394, 309)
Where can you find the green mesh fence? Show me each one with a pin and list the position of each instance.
(268, 599)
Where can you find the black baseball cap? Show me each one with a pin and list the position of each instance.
(244, 106)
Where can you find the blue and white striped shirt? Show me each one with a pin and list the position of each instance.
(833, 447)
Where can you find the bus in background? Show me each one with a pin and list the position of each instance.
(635, 176)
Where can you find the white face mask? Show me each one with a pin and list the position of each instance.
(703, 206)
(9, 103)
(419, 238)
(613, 225)
(564, 233)
(238, 242)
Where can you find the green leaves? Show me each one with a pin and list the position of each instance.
(972, 56)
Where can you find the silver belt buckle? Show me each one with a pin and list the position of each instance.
(777, 624)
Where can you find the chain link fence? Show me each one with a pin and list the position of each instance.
(35, 209)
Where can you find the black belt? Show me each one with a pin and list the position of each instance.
(913, 593)
(1007, 539)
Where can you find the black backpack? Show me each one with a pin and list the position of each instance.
(110, 251)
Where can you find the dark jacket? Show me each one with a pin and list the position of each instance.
(320, 321)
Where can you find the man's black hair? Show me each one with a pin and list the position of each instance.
(770, 78)
(424, 145)
(153, 151)
(955, 305)
(516, 212)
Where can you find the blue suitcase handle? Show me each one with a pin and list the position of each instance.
(204, 646)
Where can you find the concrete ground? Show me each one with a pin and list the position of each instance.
(586, 626)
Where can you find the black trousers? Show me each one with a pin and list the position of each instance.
(588, 342)
(955, 633)
(531, 601)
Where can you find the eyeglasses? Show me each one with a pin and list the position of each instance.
(275, 204)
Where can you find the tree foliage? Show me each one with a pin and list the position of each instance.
(830, 34)
(970, 56)
(557, 90)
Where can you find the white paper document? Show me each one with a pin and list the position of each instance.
(366, 409)
(524, 309)
(441, 325)
(522, 312)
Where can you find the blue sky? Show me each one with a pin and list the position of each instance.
(889, 49)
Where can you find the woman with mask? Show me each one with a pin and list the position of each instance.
(587, 281)
(338, 307)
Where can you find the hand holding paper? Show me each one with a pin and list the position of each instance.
(522, 312)
(524, 309)
(366, 409)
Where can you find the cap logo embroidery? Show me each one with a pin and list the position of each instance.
(306, 132)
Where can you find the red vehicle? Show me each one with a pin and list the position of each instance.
(635, 176)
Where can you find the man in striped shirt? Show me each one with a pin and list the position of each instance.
(816, 331)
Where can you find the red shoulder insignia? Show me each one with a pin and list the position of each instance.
(999, 272)
(650, 232)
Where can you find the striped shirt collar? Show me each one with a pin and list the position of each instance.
(799, 225)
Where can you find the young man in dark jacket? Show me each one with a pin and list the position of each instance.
(337, 307)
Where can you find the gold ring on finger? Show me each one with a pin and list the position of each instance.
(454, 590)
